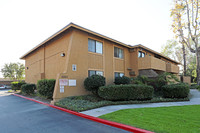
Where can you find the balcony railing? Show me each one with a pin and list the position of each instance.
(150, 62)
(172, 68)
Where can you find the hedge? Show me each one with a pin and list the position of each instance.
(28, 88)
(180, 90)
(126, 92)
(17, 85)
(45, 87)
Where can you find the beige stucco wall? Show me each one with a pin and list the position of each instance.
(187, 79)
(84, 60)
(46, 62)
(34, 66)
(172, 68)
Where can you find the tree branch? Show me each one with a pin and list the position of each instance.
(188, 17)
(187, 43)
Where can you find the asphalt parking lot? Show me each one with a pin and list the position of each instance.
(18, 115)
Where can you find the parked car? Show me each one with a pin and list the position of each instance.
(2, 86)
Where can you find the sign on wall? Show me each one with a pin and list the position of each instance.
(72, 82)
(63, 82)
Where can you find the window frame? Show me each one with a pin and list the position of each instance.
(95, 46)
(118, 52)
(95, 71)
(118, 73)
(141, 54)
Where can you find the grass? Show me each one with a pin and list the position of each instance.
(178, 119)
(87, 102)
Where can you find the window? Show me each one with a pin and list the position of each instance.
(118, 52)
(141, 54)
(119, 74)
(95, 46)
(90, 73)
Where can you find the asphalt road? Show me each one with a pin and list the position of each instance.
(18, 115)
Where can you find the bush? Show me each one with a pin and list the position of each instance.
(17, 85)
(93, 83)
(28, 88)
(194, 86)
(141, 79)
(198, 87)
(163, 79)
(180, 90)
(122, 80)
(45, 87)
(126, 92)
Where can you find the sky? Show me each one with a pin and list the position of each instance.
(26, 23)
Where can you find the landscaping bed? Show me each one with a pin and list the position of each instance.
(87, 102)
(176, 119)
(36, 97)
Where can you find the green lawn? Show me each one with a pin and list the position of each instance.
(179, 119)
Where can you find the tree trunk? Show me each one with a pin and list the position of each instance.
(198, 65)
(184, 60)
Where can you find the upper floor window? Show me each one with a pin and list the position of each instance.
(141, 54)
(91, 72)
(95, 46)
(117, 74)
(118, 52)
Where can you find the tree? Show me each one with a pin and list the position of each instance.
(13, 71)
(185, 14)
(173, 50)
(191, 66)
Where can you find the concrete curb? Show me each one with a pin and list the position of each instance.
(106, 122)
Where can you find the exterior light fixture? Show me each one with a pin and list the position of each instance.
(27, 68)
(62, 54)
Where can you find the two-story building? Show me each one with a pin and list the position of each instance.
(74, 53)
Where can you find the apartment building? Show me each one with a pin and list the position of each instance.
(74, 53)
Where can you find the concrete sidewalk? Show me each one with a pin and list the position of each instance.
(195, 100)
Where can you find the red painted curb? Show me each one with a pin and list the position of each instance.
(110, 123)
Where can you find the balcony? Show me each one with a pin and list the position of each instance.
(150, 62)
(172, 68)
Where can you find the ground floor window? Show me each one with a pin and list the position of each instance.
(92, 72)
(117, 74)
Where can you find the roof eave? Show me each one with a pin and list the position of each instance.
(77, 27)
(140, 45)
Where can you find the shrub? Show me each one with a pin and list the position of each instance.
(28, 88)
(93, 83)
(180, 90)
(45, 87)
(122, 80)
(126, 92)
(141, 79)
(198, 87)
(163, 79)
(17, 85)
(194, 86)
